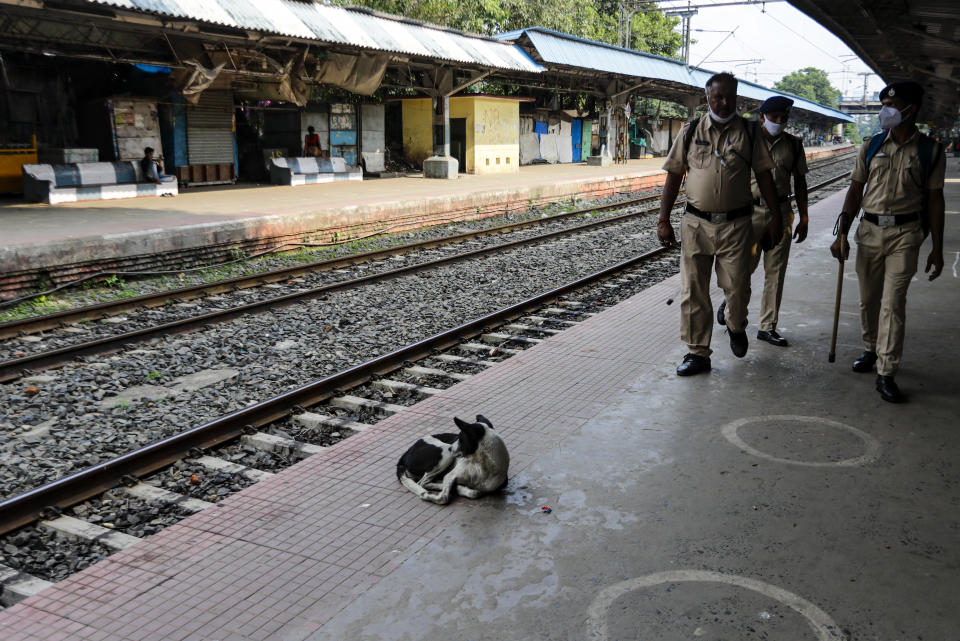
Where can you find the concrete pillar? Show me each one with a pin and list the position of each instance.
(441, 164)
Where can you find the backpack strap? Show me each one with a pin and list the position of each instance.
(873, 148)
(688, 135)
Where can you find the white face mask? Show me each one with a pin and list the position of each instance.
(890, 117)
(718, 119)
(772, 128)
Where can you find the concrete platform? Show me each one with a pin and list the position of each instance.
(43, 243)
(777, 497)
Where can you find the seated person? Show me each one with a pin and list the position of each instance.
(311, 143)
(151, 168)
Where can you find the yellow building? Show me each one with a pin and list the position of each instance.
(484, 132)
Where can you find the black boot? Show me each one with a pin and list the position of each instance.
(693, 364)
(772, 337)
(889, 391)
(864, 364)
(721, 318)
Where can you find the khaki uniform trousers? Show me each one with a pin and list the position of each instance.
(774, 264)
(886, 262)
(706, 246)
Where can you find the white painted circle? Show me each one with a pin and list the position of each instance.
(871, 445)
(820, 622)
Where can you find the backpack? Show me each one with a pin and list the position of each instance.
(751, 127)
(929, 152)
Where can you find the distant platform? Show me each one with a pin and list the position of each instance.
(57, 243)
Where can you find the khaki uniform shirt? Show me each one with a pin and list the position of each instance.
(786, 162)
(894, 185)
(718, 164)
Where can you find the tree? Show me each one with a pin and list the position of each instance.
(591, 19)
(810, 83)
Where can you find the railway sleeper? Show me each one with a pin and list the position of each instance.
(355, 403)
(520, 327)
(313, 421)
(280, 445)
(453, 358)
(391, 385)
(560, 311)
(152, 493)
(15, 586)
(68, 527)
(498, 337)
(545, 319)
(479, 347)
(417, 370)
(222, 465)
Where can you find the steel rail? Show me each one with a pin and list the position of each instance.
(14, 368)
(60, 494)
(58, 319)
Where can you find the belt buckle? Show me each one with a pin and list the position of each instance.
(718, 217)
(886, 221)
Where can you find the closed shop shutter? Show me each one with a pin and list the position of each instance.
(210, 129)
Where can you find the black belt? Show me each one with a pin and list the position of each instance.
(720, 216)
(782, 199)
(890, 221)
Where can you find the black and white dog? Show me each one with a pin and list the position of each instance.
(471, 463)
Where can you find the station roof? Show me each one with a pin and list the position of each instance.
(555, 48)
(312, 21)
(902, 40)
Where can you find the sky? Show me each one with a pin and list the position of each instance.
(781, 37)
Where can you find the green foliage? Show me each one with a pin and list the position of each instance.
(810, 83)
(114, 282)
(154, 375)
(852, 132)
(592, 19)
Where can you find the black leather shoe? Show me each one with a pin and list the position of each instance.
(693, 364)
(738, 343)
(720, 315)
(889, 391)
(772, 337)
(864, 364)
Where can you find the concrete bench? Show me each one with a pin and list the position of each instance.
(90, 181)
(307, 171)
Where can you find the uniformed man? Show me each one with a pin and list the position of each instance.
(716, 152)
(898, 180)
(788, 157)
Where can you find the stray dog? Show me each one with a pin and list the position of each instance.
(471, 463)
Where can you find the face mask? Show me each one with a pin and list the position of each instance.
(718, 119)
(890, 117)
(772, 128)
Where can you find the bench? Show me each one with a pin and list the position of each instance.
(76, 182)
(307, 171)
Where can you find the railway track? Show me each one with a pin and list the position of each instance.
(23, 361)
(286, 431)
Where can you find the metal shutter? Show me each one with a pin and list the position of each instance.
(210, 129)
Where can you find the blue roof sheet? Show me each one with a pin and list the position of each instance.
(554, 47)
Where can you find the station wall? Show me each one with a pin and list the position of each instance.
(491, 132)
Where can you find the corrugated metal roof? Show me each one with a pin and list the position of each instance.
(558, 48)
(339, 25)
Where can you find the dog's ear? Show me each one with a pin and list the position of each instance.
(484, 419)
(470, 435)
